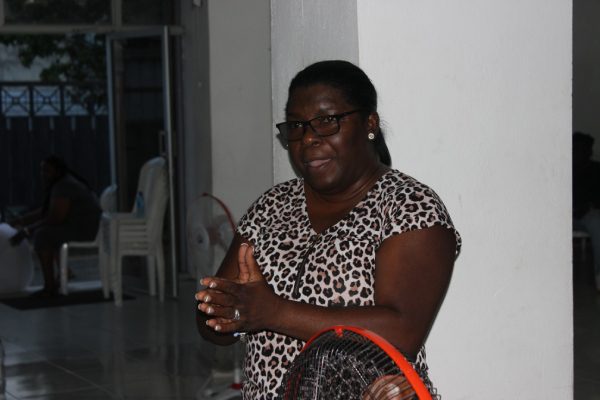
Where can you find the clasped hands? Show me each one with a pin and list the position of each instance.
(244, 304)
(18, 237)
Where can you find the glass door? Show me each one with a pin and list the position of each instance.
(141, 127)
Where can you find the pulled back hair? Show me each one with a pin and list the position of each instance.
(355, 85)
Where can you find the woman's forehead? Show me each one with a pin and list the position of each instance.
(318, 95)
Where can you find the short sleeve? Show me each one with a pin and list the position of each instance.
(413, 206)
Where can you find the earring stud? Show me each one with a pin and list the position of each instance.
(371, 136)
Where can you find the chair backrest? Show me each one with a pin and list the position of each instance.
(108, 199)
(154, 186)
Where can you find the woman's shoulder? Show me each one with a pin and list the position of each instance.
(394, 182)
(66, 185)
(280, 194)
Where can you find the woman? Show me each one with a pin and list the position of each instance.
(352, 242)
(70, 212)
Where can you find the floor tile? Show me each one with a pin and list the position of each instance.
(166, 387)
(39, 378)
(85, 394)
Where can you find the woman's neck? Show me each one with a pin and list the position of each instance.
(326, 209)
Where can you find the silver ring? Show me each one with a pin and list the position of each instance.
(236, 314)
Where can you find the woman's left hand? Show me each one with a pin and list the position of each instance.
(245, 304)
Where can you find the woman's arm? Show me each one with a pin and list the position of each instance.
(57, 213)
(26, 219)
(412, 275)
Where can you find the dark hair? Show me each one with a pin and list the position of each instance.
(355, 85)
(584, 139)
(59, 165)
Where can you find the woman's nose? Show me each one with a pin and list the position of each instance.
(310, 137)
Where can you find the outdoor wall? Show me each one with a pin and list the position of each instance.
(475, 100)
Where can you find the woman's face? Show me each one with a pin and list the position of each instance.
(331, 164)
(49, 173)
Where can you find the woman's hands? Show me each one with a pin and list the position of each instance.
(244, 304)
(18, 237)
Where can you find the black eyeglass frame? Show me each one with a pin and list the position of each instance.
(308, 123)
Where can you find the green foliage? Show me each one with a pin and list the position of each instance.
(57, 11)
(78, 59)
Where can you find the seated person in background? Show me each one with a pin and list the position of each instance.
(70, 212)
(350, 242)
(586, 195)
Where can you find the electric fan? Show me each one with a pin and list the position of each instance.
(348, 363)
(210, 229)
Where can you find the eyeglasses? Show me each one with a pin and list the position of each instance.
(325, 125)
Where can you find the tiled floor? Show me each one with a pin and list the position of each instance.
(144, 350)
(150, 350)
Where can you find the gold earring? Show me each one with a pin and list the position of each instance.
(371, 136)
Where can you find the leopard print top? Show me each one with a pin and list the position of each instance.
(333, 268)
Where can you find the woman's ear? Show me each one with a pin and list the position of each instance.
(373, 123)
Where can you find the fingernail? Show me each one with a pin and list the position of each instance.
(244, 245)
(217, 328)
(207, 322)
(206, 298)
(213, 285)
(210, 310)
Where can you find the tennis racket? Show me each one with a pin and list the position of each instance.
(345, 362)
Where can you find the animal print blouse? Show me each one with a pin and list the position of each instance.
(333, 268)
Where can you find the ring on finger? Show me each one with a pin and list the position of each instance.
(236, 314)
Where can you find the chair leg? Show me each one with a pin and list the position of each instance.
(117, 279)
(160, 272)
(151, 268)
(64, 268)
(104, 272)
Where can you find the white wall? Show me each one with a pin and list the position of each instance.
(240, 100)
(226, 145)
(303, 32)
(475, 97)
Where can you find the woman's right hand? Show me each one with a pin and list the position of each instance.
(245, 304)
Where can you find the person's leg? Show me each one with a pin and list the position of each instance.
(46, 241)
(46, 257)
(591, 221)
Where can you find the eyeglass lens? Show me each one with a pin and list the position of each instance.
(325, 125)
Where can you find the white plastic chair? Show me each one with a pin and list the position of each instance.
(582, 237)
(140, 233)
(107, 203)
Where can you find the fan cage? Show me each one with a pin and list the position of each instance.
(343, 364)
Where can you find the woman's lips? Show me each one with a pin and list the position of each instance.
(317, 163)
